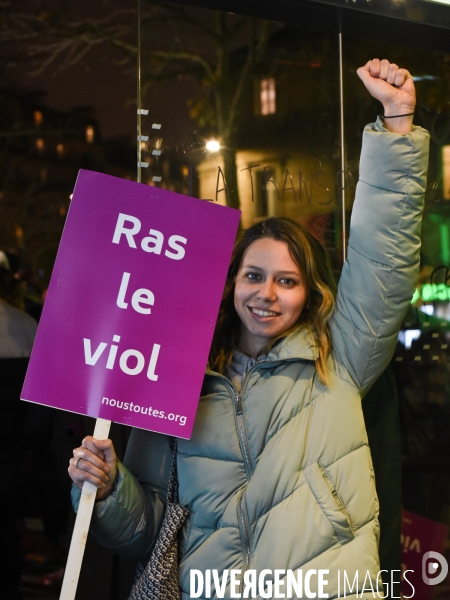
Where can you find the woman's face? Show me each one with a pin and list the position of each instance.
(269, 295)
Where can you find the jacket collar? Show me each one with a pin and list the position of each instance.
(298, 345)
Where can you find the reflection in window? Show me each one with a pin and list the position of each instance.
(212, 146)
(38, 117)
(90, 134)
(445, 243)
(267, 96)
(446, 170)
(406, 337)
(261, 203)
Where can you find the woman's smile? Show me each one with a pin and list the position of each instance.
(262, 313)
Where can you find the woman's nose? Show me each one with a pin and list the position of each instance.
(267, 291)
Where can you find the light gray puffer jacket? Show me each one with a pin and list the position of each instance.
(280, 476)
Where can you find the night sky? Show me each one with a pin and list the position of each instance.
(100, 81)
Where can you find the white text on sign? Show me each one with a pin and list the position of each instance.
(140, 296)
(152, 243)
(92, 357)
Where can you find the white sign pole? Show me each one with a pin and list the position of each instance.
(80, 531)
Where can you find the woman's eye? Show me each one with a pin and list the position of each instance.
(253, 276)
(287, 281)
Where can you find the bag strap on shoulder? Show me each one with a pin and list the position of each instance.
(172, 488)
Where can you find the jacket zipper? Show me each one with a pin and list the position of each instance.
(242, 433)
(245, 532)
(240, 419)
(239, 413)
(242, 515)
(244, 526)
(240, 426)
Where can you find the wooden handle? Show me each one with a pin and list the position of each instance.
(81, 528)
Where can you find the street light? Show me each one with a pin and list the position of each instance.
(212, 146)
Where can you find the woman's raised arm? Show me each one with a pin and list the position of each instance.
(380, 273)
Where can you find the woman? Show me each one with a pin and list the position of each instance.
(278, 473)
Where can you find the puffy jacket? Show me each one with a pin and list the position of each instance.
(279, 476)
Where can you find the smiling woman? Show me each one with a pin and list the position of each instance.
(279, 278)
(269, 295)
(278, 472)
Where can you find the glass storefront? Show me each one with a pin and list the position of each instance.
(267, 107)
(258, 106)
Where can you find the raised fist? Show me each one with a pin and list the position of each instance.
(392, 86)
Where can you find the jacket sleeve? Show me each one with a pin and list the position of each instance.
(128, 521)
(379, 276)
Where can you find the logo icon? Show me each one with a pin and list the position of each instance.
(431, 562)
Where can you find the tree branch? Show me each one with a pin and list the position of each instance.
(186, 56)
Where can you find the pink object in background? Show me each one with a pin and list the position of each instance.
(132, 304)
(419, 536)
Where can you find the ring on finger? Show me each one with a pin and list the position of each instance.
(76, 464)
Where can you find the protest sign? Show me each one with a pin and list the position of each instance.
(423, 542)
(132, 304)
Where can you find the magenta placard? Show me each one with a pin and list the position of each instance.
(419, 537)
(132, 304)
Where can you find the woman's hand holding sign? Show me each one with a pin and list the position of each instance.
(94, 461)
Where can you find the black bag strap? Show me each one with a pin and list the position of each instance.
(172, 488)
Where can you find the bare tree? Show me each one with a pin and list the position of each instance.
(52, 41)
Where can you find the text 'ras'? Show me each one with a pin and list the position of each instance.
(128, 227)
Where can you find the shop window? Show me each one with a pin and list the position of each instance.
(267, 96)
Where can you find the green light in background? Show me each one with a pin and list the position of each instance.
(431, 292)
(445, 243)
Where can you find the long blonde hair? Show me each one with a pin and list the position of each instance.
(311, 258)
